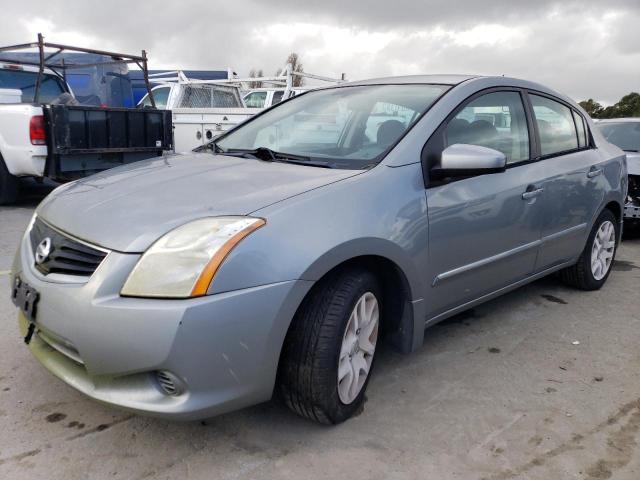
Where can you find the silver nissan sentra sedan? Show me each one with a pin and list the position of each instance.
(282, 254)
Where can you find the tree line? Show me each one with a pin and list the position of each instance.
(628, 106)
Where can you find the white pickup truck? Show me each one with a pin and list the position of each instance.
(200, 109)
(23, 149)
(49, 135)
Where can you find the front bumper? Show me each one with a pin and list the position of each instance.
(224, 348)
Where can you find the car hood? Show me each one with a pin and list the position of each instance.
(633, 163)
(128, 208)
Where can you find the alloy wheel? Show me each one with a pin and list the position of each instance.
(358, 347)
(602, 250)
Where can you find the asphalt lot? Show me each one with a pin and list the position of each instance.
(497, 393)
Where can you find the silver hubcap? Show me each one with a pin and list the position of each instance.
(358, 347)
(602, 250)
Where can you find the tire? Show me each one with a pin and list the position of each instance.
(316, 343)
(582, 275)
(8, 185)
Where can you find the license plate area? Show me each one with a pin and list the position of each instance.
(25, 297)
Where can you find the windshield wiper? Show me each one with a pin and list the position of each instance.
(268, 155)
(630, 150)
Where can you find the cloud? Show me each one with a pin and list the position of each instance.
(584, 49)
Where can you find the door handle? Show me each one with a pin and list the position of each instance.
(594, 172)
(532, 192)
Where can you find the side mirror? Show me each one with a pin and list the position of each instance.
(467, 160)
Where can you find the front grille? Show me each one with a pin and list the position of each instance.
(65, 255)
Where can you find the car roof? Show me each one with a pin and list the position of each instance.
(409, 79)
(620, 120)
(481, 81)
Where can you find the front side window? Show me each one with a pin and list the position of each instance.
(556, 126)
(624, 135)
(345, 127)
(496, 120)
(255, 99)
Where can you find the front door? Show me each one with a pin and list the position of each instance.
(484, 231)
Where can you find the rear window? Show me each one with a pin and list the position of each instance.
(624, 135)
(50, 88)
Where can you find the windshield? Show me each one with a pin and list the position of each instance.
(625, 135)
(50, 88)
(346, 127)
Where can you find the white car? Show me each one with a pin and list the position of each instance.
(266, 97)
(625, 134)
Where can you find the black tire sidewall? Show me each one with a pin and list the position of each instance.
(336, 410)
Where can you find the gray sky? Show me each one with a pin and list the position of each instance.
(584, 49)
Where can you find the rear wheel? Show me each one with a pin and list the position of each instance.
(8, 185)
(329, 350)
(594, 265)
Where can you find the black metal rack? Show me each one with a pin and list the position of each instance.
(56, 64)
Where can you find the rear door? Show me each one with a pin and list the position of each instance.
(484, 231)
(573, 188)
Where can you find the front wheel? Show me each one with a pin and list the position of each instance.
(330, 347)
(594, 265)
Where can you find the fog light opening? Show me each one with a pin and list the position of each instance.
(169, 383)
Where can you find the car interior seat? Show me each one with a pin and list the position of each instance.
(388, 132)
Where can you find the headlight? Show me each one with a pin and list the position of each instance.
(183, 262)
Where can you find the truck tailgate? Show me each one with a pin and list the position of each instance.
(82, 140)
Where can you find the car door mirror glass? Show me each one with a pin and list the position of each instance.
(466, 160)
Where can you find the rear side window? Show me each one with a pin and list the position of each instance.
(556, 126)
(208, 96)
(582, 130)
(50, 87)
(495, 120)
